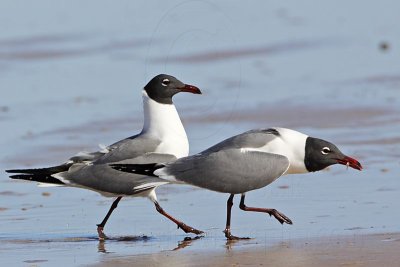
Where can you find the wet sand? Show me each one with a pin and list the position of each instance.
(358, 250)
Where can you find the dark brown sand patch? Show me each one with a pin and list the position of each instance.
(47, 47)
(379, 79)
(11, 193)
(47, 39)
(35, 261)
(219, 55)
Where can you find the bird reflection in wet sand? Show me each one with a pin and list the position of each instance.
(101, 247)
(230, 243)
(187, 241)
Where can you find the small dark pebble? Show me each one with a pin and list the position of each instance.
(384, 46)
(35, 261)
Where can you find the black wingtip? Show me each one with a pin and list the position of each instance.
(28, 171)
(143, 169)
(13, 171)
(21, 176)
(42, 175)
(42, 171)
(37, 178)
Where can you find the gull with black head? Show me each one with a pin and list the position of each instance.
(162, 139)
(246, 162)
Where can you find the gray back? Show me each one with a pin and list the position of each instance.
(250, 139)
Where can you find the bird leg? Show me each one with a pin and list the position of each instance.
(100, 226)
(282, 218)
(227, 230)
(181, 225)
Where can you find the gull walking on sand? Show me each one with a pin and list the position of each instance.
(162, 139)
(246, 162)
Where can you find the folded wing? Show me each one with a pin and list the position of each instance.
(229, 170)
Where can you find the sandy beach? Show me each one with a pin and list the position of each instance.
(352, 251)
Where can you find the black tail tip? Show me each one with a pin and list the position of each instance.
(18, 171)
(19, 176)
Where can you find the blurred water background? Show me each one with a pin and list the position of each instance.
(71, 74)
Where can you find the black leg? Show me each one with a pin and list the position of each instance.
(184, 227)
(227, 230)
(272, 212)
(100, 226)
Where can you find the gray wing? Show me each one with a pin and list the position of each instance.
(228, 171)
(106, 180)
(128, 148)
(86, 157)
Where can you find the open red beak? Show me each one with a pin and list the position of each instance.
(191, 89)
(350, 162)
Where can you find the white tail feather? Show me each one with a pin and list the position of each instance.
(149, 185)
(49, 185)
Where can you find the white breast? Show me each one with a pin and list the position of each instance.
(161, 121)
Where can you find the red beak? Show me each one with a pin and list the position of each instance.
(350, 162)
(191, 89)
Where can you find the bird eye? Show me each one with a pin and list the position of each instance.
(325, 150)
(165, 82)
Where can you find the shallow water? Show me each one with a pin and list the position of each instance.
(71, 78)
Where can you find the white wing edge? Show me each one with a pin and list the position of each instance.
(149, 185)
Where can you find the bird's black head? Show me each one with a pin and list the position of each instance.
(163, 87)
(320, 154)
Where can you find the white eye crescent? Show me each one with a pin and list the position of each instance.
(325, 150)
(165, 82)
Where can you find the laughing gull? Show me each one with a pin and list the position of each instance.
(246, 162)
(162, 139)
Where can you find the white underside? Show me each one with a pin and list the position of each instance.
(150, 193)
